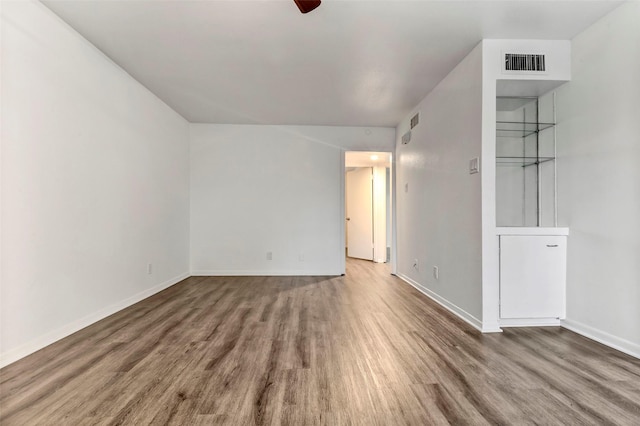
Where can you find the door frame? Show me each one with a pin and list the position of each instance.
(343, 209)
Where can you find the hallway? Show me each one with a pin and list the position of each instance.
(364, 348)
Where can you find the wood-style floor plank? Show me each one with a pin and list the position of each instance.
(363, 349)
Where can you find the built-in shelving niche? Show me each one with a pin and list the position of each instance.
(525, 160)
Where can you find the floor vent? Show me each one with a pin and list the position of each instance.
(524, 62)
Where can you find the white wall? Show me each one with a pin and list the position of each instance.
(94, 184)
(599, 179)
(258, 189)
(439, 217)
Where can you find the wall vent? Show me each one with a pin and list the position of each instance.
(524, 62)
(415, 120)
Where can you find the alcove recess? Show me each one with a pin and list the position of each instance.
(525, 160)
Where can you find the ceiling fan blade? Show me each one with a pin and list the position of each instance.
(306, 6)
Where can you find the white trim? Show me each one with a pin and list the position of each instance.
(394, 225)
(264, 273)
(615, 342)
(530, 322)
(495, 328)
(40, 342)
(490, 241)
(343, 214)
(457, 311)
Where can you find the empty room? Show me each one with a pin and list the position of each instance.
(345, 212)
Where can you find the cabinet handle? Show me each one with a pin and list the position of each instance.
(552, 245)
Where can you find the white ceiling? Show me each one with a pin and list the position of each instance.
(357, 63)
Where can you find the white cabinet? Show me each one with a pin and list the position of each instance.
(532, 278)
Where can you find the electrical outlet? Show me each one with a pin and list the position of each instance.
(269, 255)
(415, 264)
(436, 272)
(149, 268)
(301, 257)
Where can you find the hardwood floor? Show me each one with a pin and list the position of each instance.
(363, 349)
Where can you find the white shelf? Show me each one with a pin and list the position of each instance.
(520, 129)
(526, 230)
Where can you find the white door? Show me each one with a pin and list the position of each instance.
(359, 194)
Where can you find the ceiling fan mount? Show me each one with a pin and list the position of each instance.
(307, 6)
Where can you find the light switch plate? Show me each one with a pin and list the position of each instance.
(474, 165)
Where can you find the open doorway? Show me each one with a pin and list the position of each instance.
(368, 206)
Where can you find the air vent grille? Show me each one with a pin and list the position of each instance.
(524, 62)
(415, 120)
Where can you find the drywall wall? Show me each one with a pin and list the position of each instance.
(272, 189)
(599, 180)
(438, 201)
(94, 184)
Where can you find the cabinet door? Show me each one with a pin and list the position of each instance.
(532, 276)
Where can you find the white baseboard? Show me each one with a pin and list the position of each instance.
(490, 328)
(454, 309)
(530, 322)
(270, 273)
(603, 337)
(40, 342)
